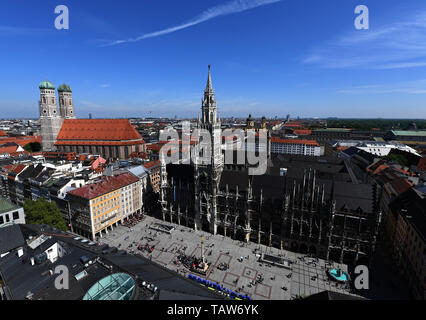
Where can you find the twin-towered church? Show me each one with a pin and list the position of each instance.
(62, 132)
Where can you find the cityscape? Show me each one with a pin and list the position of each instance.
(184, 200)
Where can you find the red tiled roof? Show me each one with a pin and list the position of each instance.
(152, 164)
(98, 143)
(380, 168)
(340, 148)
(3, 134)
(98, 132)
(99, 162)
(401, 185)
(106, 185)
(407, 173)
(9, 167)
(422, 164)
(22, 141)
(16, 170)
(155, 147)
(303, 132)
(10, 149)
(296, 124)
(136, 154)
(295, 141)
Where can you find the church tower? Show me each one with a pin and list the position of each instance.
(50, 121)
(207, 176)
(250, 123)
(66, 105)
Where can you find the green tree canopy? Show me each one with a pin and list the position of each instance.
(44, 212)
(32, 147)
(401, 159)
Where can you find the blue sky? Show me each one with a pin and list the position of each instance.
(269, 57)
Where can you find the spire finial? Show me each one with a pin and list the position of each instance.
(209, 87)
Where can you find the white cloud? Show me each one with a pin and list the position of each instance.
(412, 87)
(213, 12)
(401, 65)
(21, 31)
(395, 46)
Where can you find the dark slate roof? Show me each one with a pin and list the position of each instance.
(327, 168)
(272, 186)
(180, 172)
(233, 179)
(31, 172)
(44, 176)
(10, 238)
(352, 196)
(59, 184)
(20, 277)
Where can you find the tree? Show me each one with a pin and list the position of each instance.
(44, 212)
(32, 147)
(401, 159)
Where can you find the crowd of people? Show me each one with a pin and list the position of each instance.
(134, 220)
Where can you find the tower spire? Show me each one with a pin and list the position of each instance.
(209, 87)
(209, 109)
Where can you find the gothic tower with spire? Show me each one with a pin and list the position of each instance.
(50, 120)
(207, 176)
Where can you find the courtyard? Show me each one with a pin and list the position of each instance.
(243, 272)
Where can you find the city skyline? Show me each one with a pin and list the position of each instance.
(268, 57)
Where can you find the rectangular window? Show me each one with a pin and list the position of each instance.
(16, 215)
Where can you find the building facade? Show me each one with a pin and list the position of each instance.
(99, 206)
(10, 213)
(407, 235)
(306, 214)
(296, 147)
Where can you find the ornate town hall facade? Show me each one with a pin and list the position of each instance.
(332, 219)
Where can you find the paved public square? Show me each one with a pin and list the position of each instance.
(308, 275)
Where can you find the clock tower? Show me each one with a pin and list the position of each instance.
(207, 176)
